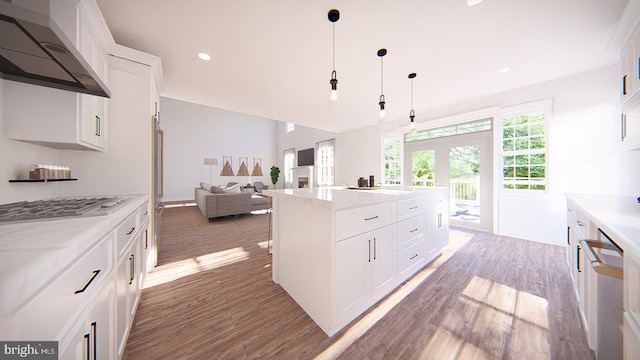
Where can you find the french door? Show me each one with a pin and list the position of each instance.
(464, 164)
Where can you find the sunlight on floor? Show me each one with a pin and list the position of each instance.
(179, 269)
(492, 315)
(457, 239)
(182, 204)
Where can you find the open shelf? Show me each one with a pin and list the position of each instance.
(39, 180)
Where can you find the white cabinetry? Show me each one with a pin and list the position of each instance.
(93, 336)
(353, 254)
(364, 270)
(80, 306)
(582, 274)
(58, 118)
(630, 95)
(631, 304)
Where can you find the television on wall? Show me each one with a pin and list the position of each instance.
(305, 157)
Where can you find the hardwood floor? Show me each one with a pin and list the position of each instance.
(486, 297)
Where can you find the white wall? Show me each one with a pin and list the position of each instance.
(193, 132)
(585, 155)
(301, 138)
(16, 159)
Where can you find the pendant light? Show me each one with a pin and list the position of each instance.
(412, 113)
(334, 15)
(381, 54)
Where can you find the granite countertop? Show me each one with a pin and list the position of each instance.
(617, 216)
(32, 252)
(339, 197)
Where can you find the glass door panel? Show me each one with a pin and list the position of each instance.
(464, 183)
(423, 168)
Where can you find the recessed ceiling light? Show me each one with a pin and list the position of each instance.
(504, 70)
(473, 2)
(204, 56)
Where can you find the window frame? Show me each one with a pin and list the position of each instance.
(400, 161)
(513, 111)
(289, 127)
(288, 180)
(320, 167)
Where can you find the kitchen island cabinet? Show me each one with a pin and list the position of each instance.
(619, 218)
(337, 251)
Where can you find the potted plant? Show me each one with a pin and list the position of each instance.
(275, 173)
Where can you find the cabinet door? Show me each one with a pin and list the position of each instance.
(352, 281)
(127, 291)
(443, 227)
(383, 261)
(631, 339)
(93, 337)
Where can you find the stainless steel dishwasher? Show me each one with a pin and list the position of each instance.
(606, 259)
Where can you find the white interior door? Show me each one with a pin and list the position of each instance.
(464, 164)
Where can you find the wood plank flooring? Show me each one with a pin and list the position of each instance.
(486, 297)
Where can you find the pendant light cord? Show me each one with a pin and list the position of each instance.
(381, 75)
(411, 94)
(334, 45)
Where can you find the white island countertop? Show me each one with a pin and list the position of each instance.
(31, 252)
(617, 216)
(339, 197)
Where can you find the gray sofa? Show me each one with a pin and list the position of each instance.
(215, 205)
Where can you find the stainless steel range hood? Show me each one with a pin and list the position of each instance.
(34, 50)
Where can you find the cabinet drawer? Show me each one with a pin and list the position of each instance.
(126, 231)
(411, 207)
(51, 313)
(359, 220)
(411, 230)
(410, 257)
(437, 199)
(144, 213)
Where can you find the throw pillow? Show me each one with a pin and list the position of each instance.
(205, 186)
(216, 189)
(233, 189)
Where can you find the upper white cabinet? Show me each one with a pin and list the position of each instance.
(57, 118)
(630, 92)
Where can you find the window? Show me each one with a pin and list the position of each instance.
(326, 163)
(392, 160)
(289, 164)
(458, 129)
(524, 151)
(289, 127)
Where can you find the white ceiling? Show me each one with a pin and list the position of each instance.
(273, 59)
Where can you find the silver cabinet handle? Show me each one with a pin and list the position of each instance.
(132, 268)
(580, 223)
(131, 231)
(98, 125)
(414, 230)
(413, 257)
(597, 264)
(413, 207)
(371, 218)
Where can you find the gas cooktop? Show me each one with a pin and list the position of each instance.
(58, 208)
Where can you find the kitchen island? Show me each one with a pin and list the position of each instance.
(337, 251)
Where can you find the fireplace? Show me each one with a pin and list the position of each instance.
(302, 177)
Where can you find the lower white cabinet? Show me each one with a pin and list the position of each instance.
(128, 285)
(365, 270)
(337, 260)
(89, 306)
(437, 230)
(93, 337)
